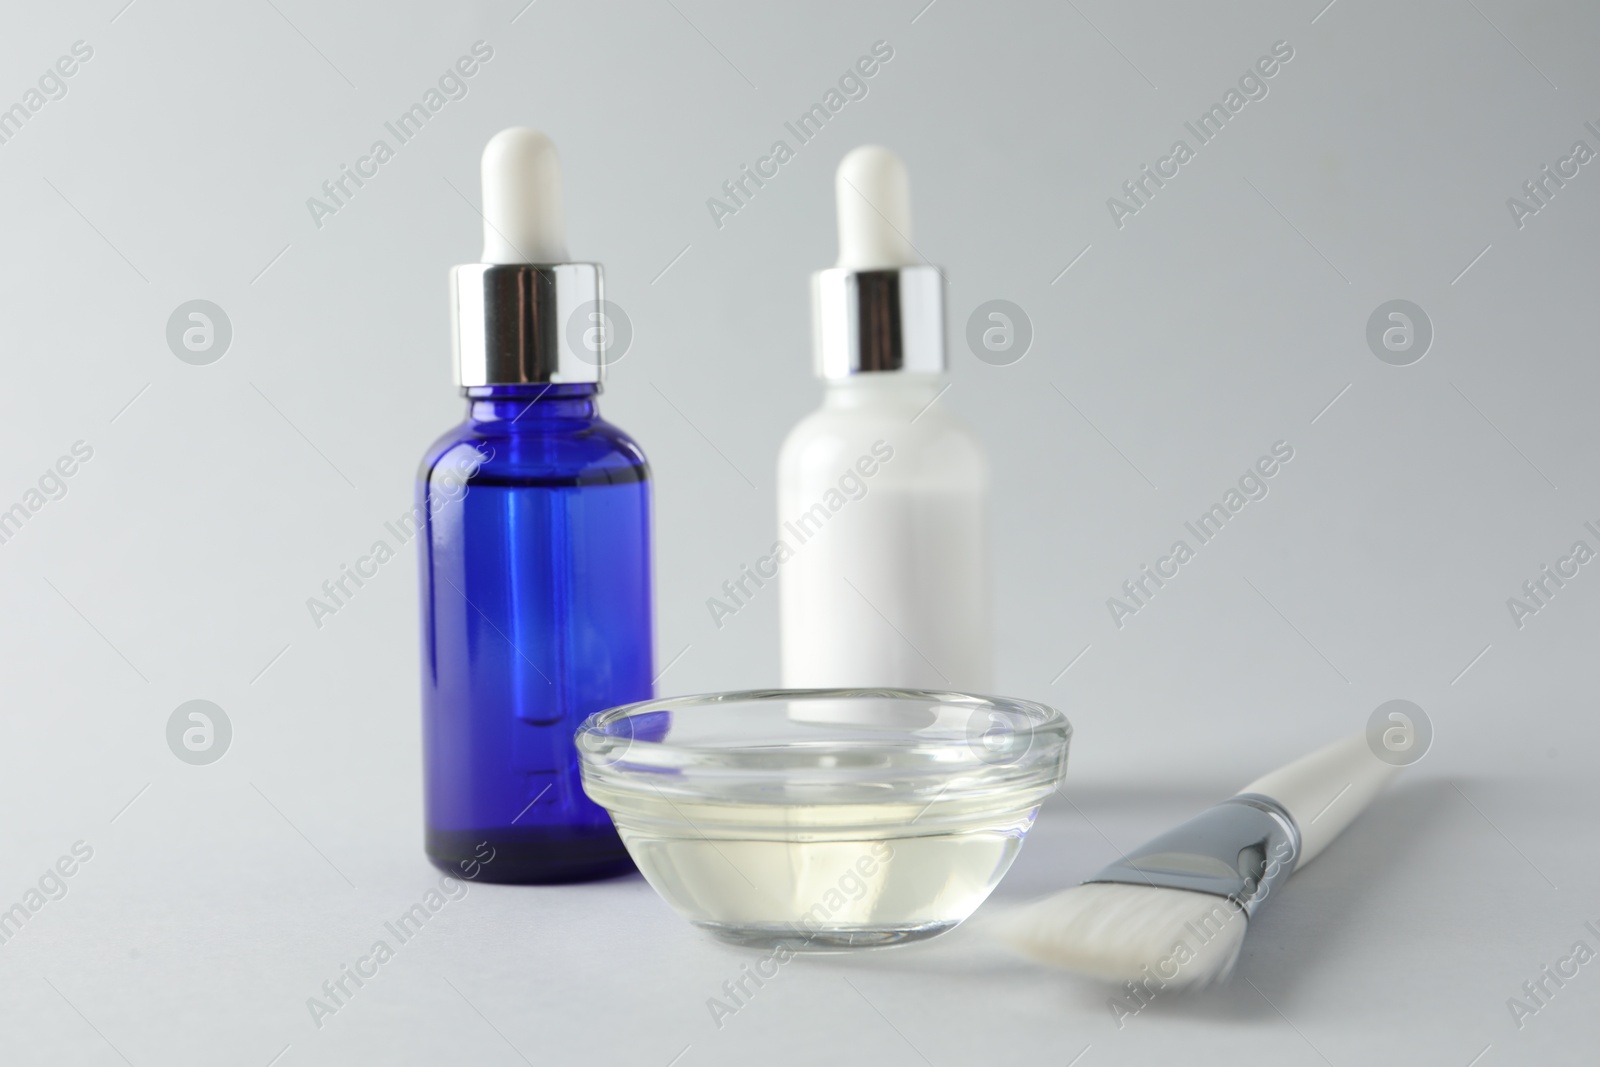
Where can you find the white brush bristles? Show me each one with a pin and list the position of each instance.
(1158, 938)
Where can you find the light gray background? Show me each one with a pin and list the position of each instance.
(1222, 318)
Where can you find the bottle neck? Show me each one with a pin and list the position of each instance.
(528, 404)
(883, 387)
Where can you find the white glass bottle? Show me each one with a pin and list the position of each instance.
(882, 493)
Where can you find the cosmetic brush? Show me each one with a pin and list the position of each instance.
(1175, 911)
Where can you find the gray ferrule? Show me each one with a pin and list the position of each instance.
(1241, 849)
(878, 320)
(525, 323)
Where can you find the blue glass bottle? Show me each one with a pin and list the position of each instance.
(536, 607)
(535, 553)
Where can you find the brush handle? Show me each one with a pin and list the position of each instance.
(1325, 791)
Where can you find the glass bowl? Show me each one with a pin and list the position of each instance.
(821, 819)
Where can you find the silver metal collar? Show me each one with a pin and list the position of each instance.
(878, 320)
(525, 323)
(1240, 849)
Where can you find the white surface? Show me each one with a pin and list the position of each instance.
(1224, 316)
(1326, 790)
(523, 220)
(888, 583)
(1399, 946)
(873, 194)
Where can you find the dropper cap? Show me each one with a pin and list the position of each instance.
(522, 315)
(881, 308)
(523, 220)
(874, 198)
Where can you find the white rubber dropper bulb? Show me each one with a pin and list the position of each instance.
(874, 197)
(523, 221)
